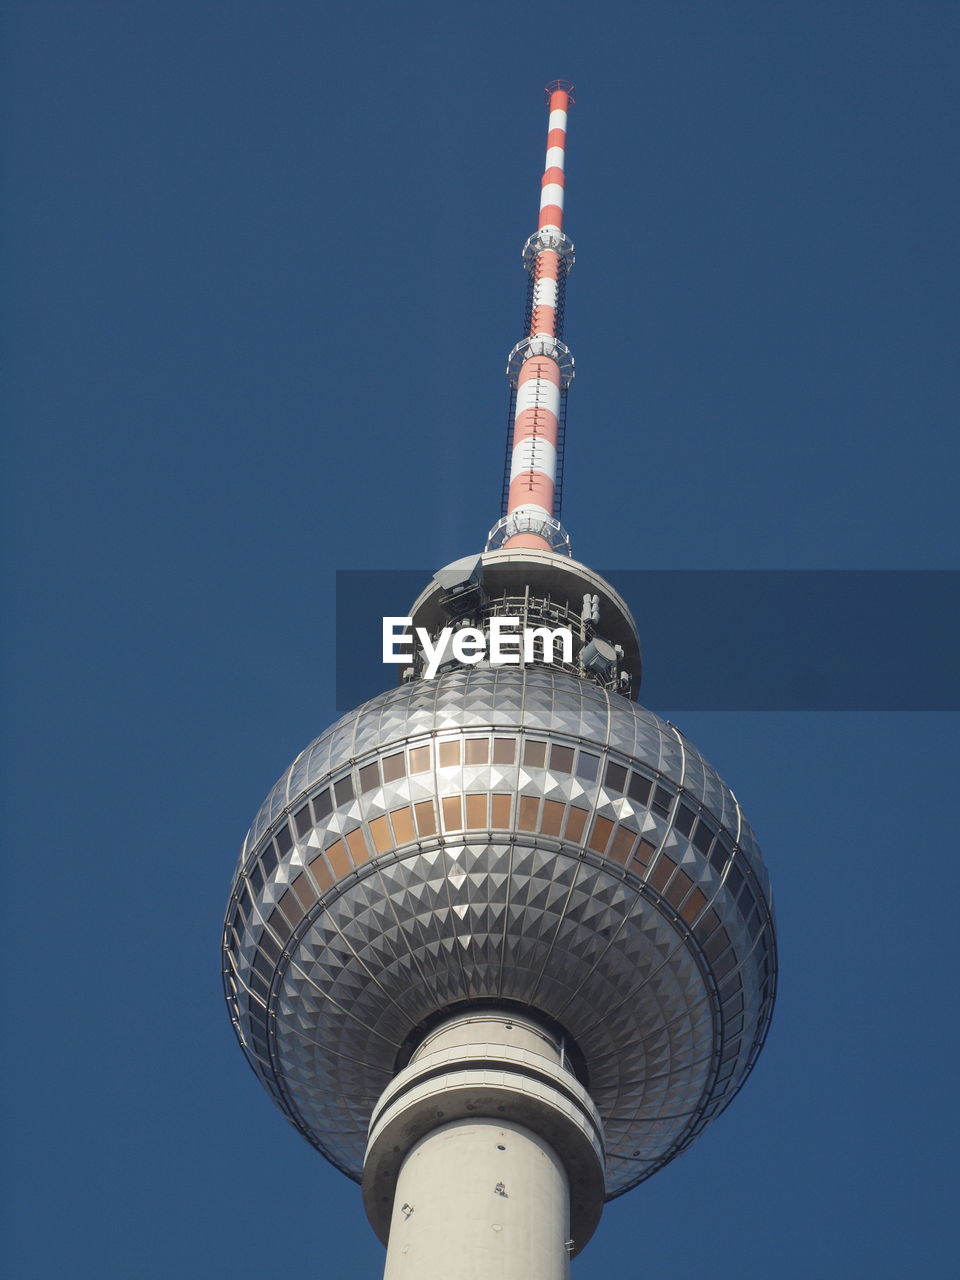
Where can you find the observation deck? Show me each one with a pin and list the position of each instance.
(541, 589)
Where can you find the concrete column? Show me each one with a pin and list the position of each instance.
(476, 1199)
(485, 1156)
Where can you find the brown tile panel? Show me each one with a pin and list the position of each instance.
(357, 846)
(393, 767)
(380, 834)
(305, 891)
(426, 818)
(576, 821)
(552, 821)
(402, 821)
(279, 924)
(321, 873)
(680, 886)
(661, 873)
(600, 834)
(693, 906)
(502, 805)
(452, 813)
(338, 858)
(623, 841)
(644, 852)
(477, 810)
(527, 815)
(289, 904)
(269, 947)
(370, 776)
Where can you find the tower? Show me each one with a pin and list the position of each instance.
(500, 941)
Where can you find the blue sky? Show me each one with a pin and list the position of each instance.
(262, 266)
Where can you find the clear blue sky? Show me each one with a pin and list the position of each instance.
(262, 273)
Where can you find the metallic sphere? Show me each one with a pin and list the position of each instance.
(518, 836)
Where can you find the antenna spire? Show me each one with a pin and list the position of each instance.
(540, 367)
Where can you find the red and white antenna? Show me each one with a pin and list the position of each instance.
(540, 367)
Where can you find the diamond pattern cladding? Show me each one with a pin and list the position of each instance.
(510, 834)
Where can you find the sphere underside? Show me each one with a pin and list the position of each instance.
(517, 835)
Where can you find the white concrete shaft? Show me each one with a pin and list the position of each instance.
(494, 1027)
(485, 1155)
(480, 1200)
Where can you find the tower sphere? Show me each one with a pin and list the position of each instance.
(518, 836)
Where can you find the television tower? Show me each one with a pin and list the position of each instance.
(500, 941)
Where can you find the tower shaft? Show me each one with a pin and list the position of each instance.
(484, 1199)
(485, 1157)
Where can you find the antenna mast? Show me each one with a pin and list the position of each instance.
(540, 367)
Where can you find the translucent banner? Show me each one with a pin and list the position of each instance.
(731, 640)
